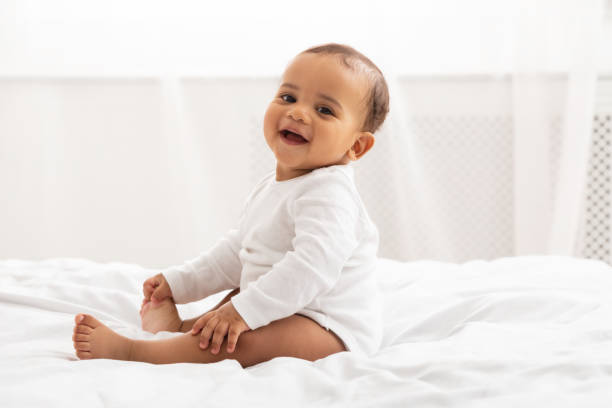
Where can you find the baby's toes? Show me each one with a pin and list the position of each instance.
(82, 350)
(87, 320)
(81, 328)
(80, 337)
(82, 346)
(84, 355)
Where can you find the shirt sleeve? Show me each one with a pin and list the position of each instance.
(326, 235)
(215, 270)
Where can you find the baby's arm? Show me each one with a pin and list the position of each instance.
(215, 270)
(211, 272)
(326, 235)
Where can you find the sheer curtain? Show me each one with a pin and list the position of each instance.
(137, 139)
(578, 25)
(556, 53)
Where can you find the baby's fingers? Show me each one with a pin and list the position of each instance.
(220, 332)
(147, 289)
(197, 326)
(232, 339)
(207, 331)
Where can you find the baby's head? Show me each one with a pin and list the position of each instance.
(335, 98)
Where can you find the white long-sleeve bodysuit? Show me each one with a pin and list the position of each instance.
(304, 245)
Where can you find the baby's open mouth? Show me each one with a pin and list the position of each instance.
(292, 138)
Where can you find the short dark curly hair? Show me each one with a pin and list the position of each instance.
(378, 97)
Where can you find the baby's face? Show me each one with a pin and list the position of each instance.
(323, 101)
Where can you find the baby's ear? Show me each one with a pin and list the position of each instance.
(364, 142)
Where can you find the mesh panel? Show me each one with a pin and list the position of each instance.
(597, 208)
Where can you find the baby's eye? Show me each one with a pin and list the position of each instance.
(326, 111)
(288, 96)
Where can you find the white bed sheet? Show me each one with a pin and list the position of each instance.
(520, 331)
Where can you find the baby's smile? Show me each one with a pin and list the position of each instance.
(293, 135)
(292, 138)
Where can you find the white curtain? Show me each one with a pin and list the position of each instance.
(547, 193)
(151, 164)
(542, 226)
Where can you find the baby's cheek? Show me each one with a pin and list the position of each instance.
(269, 119)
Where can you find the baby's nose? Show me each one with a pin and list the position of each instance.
(298, 115)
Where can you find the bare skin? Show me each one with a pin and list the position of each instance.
(160, 316)
(294, 336)
(163, 316)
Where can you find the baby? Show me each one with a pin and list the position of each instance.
(302, 260)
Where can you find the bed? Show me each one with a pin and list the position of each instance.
(526, 331)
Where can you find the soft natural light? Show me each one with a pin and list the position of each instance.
(197, 209)
(194, 38)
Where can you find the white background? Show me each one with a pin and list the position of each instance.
(210, 38)
(131, 130)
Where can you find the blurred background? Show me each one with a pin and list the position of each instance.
(131, 131)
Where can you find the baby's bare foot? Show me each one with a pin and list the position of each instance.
(92, 339)
(160, 316)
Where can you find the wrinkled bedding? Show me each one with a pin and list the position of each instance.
(526, 331)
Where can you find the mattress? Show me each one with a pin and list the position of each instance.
(525, 331)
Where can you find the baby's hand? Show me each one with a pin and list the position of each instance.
(156, 287)
(221, 320)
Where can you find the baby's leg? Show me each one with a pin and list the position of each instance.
(294, 336)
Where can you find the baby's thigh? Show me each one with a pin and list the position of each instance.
(294, 336)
